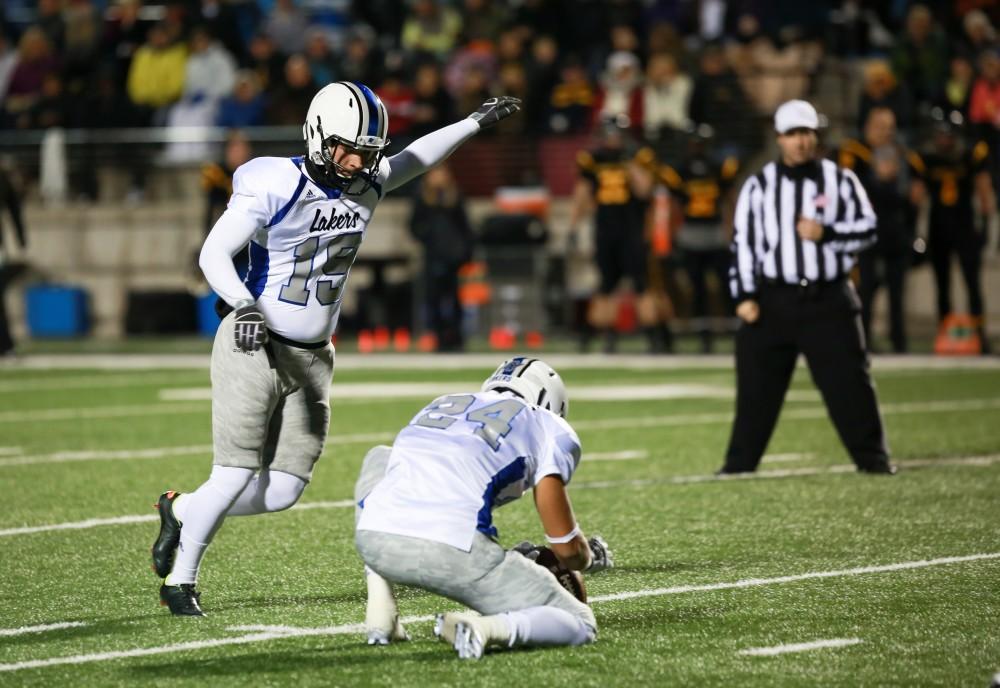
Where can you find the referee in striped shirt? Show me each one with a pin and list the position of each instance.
(798, 224)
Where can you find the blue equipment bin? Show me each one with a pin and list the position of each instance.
(56, 311)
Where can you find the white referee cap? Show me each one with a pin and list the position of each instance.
(795, 114)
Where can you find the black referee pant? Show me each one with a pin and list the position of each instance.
(821, 321)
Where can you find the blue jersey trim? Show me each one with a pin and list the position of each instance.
(260, 260)
(373, 112)
(291, 201)
(508, 475)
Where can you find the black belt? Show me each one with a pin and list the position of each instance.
(298, 345)
(803, 286)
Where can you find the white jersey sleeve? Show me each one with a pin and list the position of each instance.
(460, 458)
(303, 241)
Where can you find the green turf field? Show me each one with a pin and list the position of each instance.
(903, 572)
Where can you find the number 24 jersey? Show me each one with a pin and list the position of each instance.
(462, 456)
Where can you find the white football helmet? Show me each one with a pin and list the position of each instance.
(351, 115)
(534, 381)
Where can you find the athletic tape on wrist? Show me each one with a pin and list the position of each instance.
(565, 538)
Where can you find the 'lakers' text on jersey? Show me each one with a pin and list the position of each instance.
(459, 458)
(308, 239)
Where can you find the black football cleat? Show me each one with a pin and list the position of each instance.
(166, 542)
(183, 599)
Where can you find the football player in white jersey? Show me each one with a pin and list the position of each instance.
(425, 515)
(304, 219)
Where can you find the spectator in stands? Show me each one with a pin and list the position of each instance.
(512, 81)
(984, 105)
(957, 90)
(210, 75)
(54, 107)
(51, 22)
(716, 97)
(571, 101)
(474, 88)
(620, 92)
(880, 88)
(771, 74)
(483, 20)
(81, 47)
(857, 30)
(227, 20)
(510, 45)
(245, 107)
(35, 61)
(431, 28)
(440, 223)
(433, 107)
(381, 17)
(877, 161)
(265, 62)
(542, 74)
(124, 34)
(979, 35)
(156, 76)
(666, 97)
(399, 99)
(288, 103)
(920, 58)
(322, 62)
(361, 60)
(286, 25)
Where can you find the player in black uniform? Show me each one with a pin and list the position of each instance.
(615, 181)
(704, 188)
(956, 178)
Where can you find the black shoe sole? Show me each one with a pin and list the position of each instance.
(165, 546)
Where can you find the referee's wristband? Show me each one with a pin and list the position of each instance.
(568, 537)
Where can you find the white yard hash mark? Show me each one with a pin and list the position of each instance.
(41, 628)
(799, 647)
(987, 460)
(284, 632)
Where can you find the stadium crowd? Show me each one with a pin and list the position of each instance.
(666, 68)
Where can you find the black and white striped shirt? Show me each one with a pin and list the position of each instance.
(767, 248)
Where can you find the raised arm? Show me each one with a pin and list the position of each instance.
(429, 150)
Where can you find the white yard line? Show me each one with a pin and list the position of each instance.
(10, 451)
(984, 460)
(95, 412)
(627, 455)
(799, 647)
(285, 632)
(809, 413)
(6, 632)
(485, 361)
(59, 383)
(786, 458)
(352, 392)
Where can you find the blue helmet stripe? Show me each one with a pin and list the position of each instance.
(373, 109)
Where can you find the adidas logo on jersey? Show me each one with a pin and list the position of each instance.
(335, 221)
(310, 195)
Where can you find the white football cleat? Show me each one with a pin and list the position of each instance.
(470, 634)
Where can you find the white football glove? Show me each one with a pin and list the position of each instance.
(602, 559)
